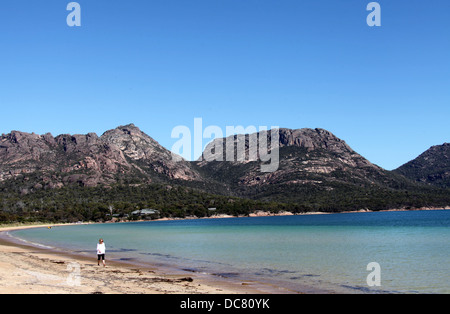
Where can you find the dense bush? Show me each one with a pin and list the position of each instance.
(75, 203)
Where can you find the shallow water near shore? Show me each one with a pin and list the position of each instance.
(327, 253)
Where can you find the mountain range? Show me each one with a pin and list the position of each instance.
(124, 154)
(316, 169)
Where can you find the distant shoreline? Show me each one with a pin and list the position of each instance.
(259, 213)
(285, 213)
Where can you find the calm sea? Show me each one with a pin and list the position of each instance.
(328, 253)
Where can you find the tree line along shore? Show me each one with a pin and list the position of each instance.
(126, 202)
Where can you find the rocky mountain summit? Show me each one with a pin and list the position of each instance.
(309, 160)
(431, 167)
(122, 154)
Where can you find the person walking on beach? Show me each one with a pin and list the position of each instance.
(101, 252)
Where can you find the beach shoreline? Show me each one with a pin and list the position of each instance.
(31, 269)
(27, 268)
(261, 213)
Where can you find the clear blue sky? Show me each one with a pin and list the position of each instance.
(289, 63)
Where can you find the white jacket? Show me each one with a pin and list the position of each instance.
(101, 248)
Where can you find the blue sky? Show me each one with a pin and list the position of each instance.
(288, 63)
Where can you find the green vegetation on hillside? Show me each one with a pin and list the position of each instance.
(75, 203)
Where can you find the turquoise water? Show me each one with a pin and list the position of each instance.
(326, 252)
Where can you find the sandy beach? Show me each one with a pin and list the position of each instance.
(26, 269)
